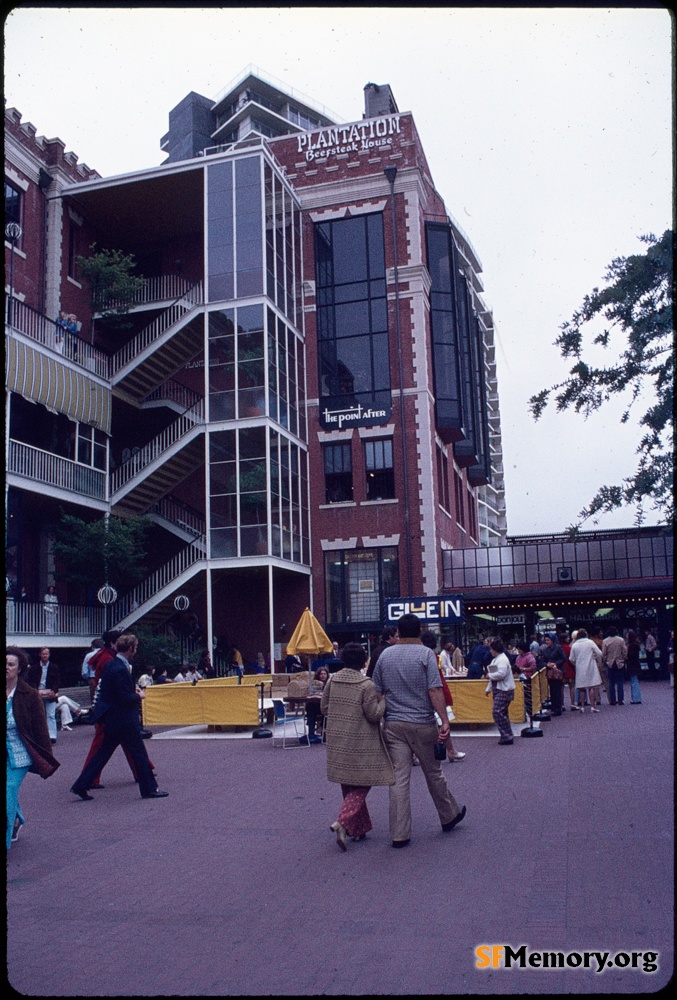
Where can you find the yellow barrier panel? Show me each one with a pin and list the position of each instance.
(205, 703)
(471, 704)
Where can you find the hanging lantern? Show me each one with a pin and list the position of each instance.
(107, 594)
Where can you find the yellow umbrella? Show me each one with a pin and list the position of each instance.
(309, 636)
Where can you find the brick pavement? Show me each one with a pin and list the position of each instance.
(234, 885)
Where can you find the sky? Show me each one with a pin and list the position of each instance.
(547, 132)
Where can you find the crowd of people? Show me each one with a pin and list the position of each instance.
(379, 716)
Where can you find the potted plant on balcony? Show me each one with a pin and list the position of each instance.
(112, 284)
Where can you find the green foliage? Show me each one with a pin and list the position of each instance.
(109, 276)
(637, 301)
(156, 651)
(93, 553)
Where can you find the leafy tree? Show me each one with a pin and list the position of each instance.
(637, 301)
(112, 284)
(94, 553)
(155, 651)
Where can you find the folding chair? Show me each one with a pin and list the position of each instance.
(283, 722)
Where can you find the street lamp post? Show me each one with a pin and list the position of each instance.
(12, 233)
(391, 173)
(182, 603)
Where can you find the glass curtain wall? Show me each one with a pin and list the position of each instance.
(258, 475)
(250, 468)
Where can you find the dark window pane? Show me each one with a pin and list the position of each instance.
(12, 204)
(253, 508)
(379, 315)
(224, 543)
(338, 478)
(222, 405)
(252, 442)
(349, 251)
(349, 293)
(254, 541)
(223, 478)
(354, 360)
(352, 319)
(222, 446)
(223, 511)
(377, 261)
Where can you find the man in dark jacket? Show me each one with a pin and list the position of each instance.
(117, 705)
(45, 678)
(388, 638)
(478, 658)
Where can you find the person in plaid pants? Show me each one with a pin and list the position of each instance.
(502, 686)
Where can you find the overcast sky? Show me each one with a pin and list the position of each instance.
(547, 132)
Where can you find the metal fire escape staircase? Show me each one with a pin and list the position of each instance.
(152, 599)
(141, 374)
(154, 470)
(159, 350)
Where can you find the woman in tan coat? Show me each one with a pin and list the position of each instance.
(356, 755)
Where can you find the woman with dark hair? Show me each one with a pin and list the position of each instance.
(568, 670)
(554, 658)
(356, 755)
(388, 638)
(525, 661)
(313, 712)
(502, 686)
(28, 745)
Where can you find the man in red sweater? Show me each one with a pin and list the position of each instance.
(97, 663)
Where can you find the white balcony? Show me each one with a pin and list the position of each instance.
(46, 469)
(31, 624)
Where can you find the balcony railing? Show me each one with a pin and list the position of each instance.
(175, 312)
(33, 324)
(169, 436)
(158, 581)
(24, 618)
(163, 288)
(47, 469)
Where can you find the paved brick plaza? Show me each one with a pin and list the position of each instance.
(234, 885)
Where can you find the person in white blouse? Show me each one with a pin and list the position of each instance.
(502, 686)
(451, 660)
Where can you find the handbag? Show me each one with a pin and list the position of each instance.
(553, 673)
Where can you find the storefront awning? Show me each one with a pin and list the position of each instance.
(58, 386)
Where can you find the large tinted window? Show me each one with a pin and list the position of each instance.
(445, 333)
(352, 313)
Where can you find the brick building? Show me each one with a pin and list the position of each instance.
(302, 396)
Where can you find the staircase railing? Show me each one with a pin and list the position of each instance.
(163, 577)
(179, 514)
(158, 289)
(173, 392)
(176, 311)
(166, 439)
